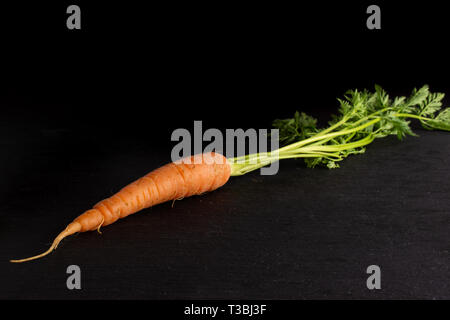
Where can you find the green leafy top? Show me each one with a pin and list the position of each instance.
(362, 117)
(360, 107)
(300, 127)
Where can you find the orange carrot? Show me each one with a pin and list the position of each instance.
(176, 180)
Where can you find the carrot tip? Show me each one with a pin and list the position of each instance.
(71, 229)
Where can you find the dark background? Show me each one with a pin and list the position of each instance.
(84, 112)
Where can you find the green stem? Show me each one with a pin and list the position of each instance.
(329, 135)
(240, 169)
(299, 150)
(408, 115)
(341, 147)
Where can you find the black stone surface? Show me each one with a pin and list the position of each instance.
(83, 114)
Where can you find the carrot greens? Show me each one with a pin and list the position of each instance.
(362, 117)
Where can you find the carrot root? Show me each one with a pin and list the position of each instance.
(100, 225)
(173, 181)
(71, 229)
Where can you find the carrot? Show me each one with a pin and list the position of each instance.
(202, 173)
(363, 117)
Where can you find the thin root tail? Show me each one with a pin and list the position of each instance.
(71, 229)
(100, 225)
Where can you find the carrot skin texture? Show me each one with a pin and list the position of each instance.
(170, 182)
(189, 176)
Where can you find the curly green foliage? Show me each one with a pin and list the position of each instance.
(362, 117)
(300, 127)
